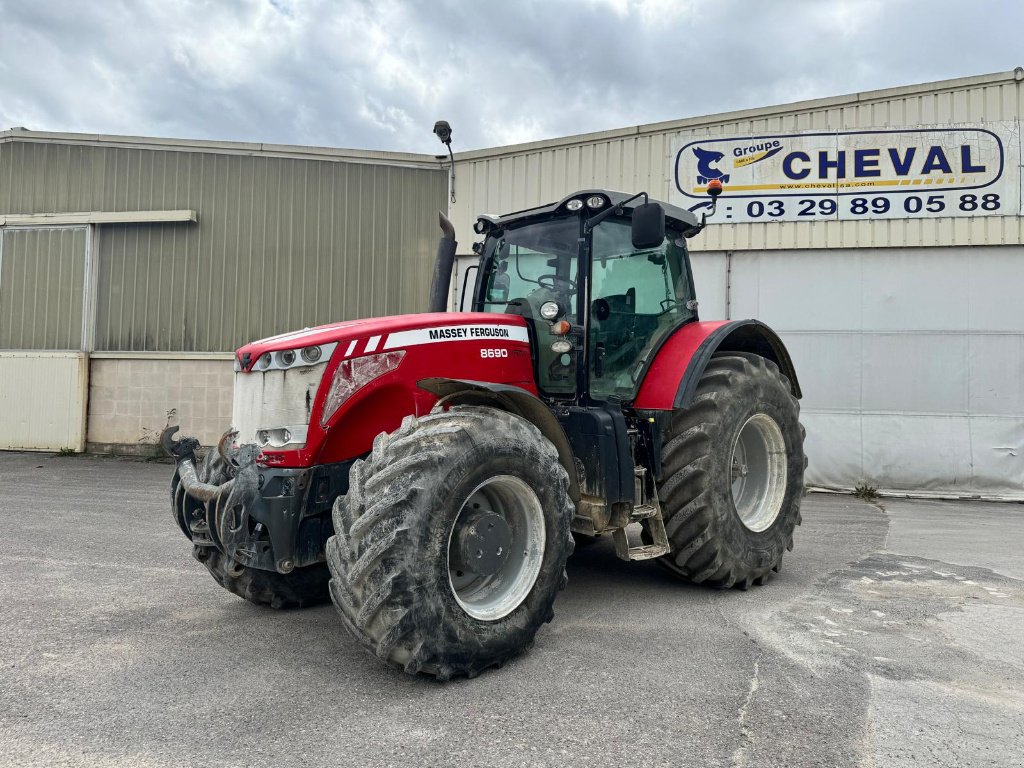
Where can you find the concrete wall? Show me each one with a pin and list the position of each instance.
(132, 400)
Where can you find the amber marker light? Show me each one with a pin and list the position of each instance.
(561, 328)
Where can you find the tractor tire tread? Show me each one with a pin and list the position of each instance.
(301, 588)
(704, 546)
(377, 577)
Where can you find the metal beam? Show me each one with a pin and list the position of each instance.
(95, 217)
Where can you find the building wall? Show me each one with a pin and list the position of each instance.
(507, 179)
(910, 360)
(906, 333)
(284, 238)
(281, 242)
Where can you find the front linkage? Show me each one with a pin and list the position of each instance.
(268, 519)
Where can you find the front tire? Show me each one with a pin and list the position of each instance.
(733, 474)
(301, 588)
(451, 543)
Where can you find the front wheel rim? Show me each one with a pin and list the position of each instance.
(494, 594)
(758, 466)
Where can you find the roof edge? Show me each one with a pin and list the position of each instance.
(293, 151)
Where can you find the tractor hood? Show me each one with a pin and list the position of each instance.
(358, 337)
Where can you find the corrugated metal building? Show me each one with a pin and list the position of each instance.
(138, 265)
(900, 304)
(906, 325)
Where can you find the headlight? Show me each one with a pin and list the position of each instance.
(353, 375)
(283, 359)
(574, 205)
(561, 346)
(549, 310)
(595, 201)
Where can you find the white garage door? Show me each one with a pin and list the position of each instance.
(911, 361)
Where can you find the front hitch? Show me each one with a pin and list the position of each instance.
(217, 503)
(184, 454)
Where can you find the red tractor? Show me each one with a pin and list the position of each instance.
(430, 472)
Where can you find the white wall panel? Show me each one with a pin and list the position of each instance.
(914, 373)
(911, 362)
(44, 398)
(995, 288)
(797, 290)
(915, 289)
(917, 453)
(833, 448)
(828, 366)
(998, 448)
(996, 369)
(711, 279)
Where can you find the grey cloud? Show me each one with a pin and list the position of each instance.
(377, 74)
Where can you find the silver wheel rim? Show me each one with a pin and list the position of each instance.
(493, 596)
(758, 464)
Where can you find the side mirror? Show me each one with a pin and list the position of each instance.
(648, 226)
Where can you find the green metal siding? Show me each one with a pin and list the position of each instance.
(42, 274)
(280, 243)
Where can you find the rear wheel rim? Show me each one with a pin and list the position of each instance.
(758, 466)
(492, 596)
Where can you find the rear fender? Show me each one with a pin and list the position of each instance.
(671, 380)
(514, 400)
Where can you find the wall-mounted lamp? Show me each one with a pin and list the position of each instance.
(443, 131)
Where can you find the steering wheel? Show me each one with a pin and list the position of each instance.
(554, 280)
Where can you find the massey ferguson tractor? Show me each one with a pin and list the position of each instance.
(431, 472)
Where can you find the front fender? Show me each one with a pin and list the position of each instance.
(671, 379)
(514, 400)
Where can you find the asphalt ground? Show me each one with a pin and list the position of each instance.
(892, 637)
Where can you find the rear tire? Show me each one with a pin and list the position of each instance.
(397, 578)
(301, 588)
(732, 478)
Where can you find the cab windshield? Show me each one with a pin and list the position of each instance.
(528, 266)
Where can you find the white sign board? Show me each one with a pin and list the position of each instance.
(956, 170)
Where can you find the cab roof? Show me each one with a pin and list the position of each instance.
(681, 217)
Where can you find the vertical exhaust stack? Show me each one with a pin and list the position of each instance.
(442, 279)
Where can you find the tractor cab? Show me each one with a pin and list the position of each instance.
(601, 278)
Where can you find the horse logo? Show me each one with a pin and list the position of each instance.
(706, 171)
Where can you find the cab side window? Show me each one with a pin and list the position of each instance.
(637, 298)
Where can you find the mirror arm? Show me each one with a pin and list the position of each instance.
(616, 209)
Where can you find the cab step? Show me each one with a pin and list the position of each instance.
(650, 514)
(644, 512)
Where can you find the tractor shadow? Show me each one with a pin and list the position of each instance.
(604, 594)
(596, 566)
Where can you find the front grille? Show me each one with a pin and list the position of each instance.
(269, 401)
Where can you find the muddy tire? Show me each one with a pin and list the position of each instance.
(733, 474)
(399, 558)
(301, 588)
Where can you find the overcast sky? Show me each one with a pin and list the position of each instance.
(376, 75)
